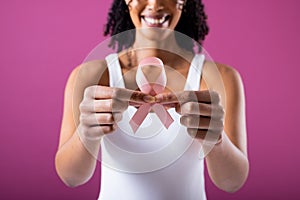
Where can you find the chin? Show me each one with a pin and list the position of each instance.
(155, 33)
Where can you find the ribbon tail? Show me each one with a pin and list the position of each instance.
(139, 116)
(163, 115)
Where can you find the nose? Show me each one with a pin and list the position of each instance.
(155, 5)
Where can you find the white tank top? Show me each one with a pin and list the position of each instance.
(155, 163)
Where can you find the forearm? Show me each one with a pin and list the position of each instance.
(227, 166)
(75, 164)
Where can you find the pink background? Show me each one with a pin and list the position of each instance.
(42, 41)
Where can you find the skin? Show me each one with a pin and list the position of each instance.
(92, 108)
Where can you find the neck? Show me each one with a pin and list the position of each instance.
(159, 43)
(156, 41)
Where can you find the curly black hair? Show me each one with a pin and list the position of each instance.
(193, 23)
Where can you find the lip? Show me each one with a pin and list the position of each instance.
(156, 20)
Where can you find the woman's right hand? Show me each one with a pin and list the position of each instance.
(102, 107)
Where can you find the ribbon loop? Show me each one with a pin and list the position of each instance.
(151, 88)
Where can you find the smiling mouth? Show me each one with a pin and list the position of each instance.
(157, 20)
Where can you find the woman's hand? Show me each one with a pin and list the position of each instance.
(201, 112)
(102, 107)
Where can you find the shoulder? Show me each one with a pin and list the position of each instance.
(226, 71)
(227, 74)
(231, 78)
(88, 69)
(224, 79)
(89, 73)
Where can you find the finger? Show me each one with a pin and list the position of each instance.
(103, 92)
(204, 135)
(194, 108)
(100, 119)
(193, 121)
(94, 133)
(98, 131)
(207, 96)
(132, 96)
(203, 109)
(110, 105)
(166, 98)
(117, 117)
(135, 104)
(197, 133)
(98, 92)
(103, 105)
(170, 105)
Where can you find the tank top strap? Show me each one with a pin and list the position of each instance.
(194, 74)
(114, 70)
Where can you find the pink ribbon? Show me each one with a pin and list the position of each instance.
(152, 89)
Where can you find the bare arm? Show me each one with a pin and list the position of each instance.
(227, 162)
(74, 164)
(90, 112)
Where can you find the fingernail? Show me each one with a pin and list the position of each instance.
(149, 99)
(118, 117)
(158, 98)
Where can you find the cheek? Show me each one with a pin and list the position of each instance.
(135, 10)
(135, 18)
(176, 18)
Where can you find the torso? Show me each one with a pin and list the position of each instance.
(91, 72)
(151, 161)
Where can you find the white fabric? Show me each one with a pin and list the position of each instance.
(154, 163)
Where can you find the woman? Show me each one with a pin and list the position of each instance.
(207, 105)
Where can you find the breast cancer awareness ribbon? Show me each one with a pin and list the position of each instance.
(152, 89)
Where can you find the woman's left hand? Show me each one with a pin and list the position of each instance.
(201, 112)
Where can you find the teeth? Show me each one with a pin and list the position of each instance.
(153, 21)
